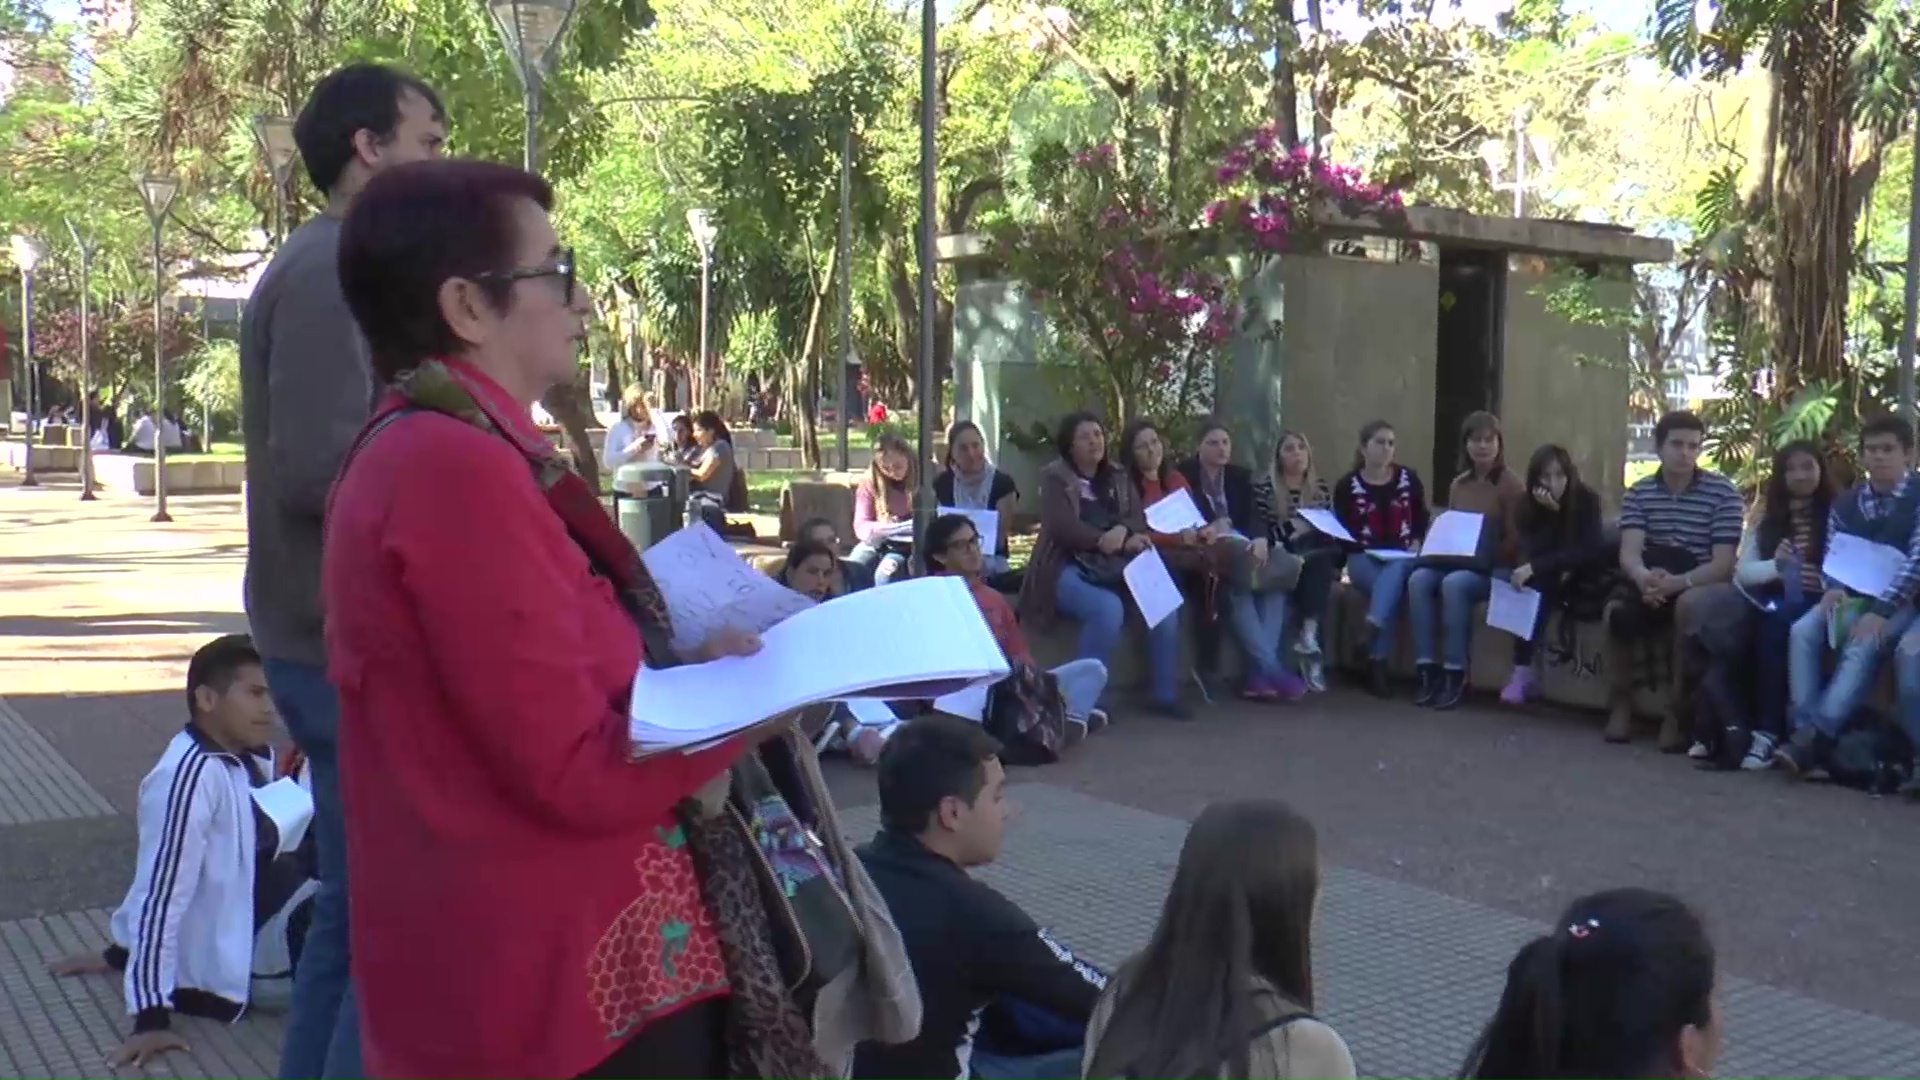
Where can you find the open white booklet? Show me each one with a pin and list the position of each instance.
(923, 638)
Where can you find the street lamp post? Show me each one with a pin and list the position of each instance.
(26, 255)
(157, 191)
(1910, 326)
(700, 223)
(843, 269)
(924, 503)
(85, 245)
(532, 31)
(275, 136)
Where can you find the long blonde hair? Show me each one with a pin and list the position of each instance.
(635, 400)
(1309, 480)
(877, 480)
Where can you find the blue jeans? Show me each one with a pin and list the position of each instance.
(1906, 674)
(885, 564)
(1385, 583)
(1827, 709)
(1259, 622)
(1102, 615)
(1081, 682)
(1458, 591)
(1772, 656)
(1053, 1065)
(323, 1027)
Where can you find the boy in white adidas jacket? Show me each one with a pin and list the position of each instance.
(209, 887)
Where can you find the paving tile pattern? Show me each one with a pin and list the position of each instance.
(1406, 975)
(36, 783)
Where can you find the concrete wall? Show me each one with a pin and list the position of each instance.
(1001, 381)
(1564, 383)
(1359, 346)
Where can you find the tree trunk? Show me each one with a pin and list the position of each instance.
(1321, 93)
(1814, 238)
(1283, 97)
(572, 406)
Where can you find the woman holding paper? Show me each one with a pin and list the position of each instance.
(1490, 492)
(1290, 486)
(1182, 533)
(1563, 544)
(1383, 505)
(525, 893)
(883, 510)
(970, 482)
(1091, 525)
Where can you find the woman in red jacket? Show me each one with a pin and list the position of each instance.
(526, 894)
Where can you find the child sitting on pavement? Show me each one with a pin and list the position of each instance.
(214, 902)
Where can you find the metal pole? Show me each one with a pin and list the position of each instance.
(532, 156)
(924, 505)
(702, 389)
(843, 331)
(86, 365)
(159, 390)
(1913, 283)
(27, 478)
(1519, 163)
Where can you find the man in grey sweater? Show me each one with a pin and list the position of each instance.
(306, 390)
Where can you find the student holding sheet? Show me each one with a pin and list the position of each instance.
(1193, 553)
(883, 508)
(485, 622)
(1565, 555)
(1091, 523)
(1290, 486)
(970, 482)
(1882, 509)
(1383, 504)
(1447, 593)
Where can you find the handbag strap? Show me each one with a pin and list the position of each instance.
(830, 835)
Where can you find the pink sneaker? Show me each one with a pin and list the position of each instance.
(1519, 688)
(1289, 687)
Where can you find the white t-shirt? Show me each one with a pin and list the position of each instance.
(142, 437)
(621, 435)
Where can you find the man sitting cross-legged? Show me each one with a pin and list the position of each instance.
(212, 904)
(943, 810)
(1883, 509)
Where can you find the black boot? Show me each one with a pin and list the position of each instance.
(1429, 689)
(1378, 683)
(1453, 689)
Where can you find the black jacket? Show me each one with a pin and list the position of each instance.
(1572, 539)
(969, 945)
(1239, 487)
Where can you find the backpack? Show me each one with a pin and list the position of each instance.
(1871, 754)
(1028, 714)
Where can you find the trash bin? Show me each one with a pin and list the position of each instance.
(649, 500)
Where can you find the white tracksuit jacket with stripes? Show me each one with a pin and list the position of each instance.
(187, 921)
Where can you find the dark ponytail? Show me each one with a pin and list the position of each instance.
(1607, 993)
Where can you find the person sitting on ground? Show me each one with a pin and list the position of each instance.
(1778, 574)
(141, 440)
(943, 811)
(1223, 492)
(1091, 524)
(632, 439)
(683, 448)
(882, 501)
(812, 570)
(1882, 509)
(1621, 986)
(1383, 505)
(713, 470)
(1225, 985)
(970, 482)
(1292, 485)
(1486, 487)
(953, 547)
(1679, 530)
(1565, 553)
(854, 576)
(213, 902)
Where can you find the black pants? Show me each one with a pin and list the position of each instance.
(689, 1043)
(1551, 595)
(1318, 571)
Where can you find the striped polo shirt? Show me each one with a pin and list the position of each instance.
(1706, 513)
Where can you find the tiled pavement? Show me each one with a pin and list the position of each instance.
(37, 784)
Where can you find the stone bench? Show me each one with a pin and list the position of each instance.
(46, 459)
(129, 472)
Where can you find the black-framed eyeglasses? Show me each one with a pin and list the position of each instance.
(561, 267)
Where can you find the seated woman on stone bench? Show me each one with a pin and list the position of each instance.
(1486, 487)
(1091, 523)
(970, 482)
(1565, 553)
(1144, 457)
(1383, 505)
(883, 499)
(1290, 486)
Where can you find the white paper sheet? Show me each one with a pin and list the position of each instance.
(985, 522)
(1513, 610)
(1454, 533)
(936, 643)
(290, 807)
(1152, 587)
(968, 704)
(1392, 554)
(1175, 513)
(1861, 565)
(869, 712)
(1327, 522)
(707, 585)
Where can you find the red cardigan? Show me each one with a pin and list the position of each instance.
(523, 902)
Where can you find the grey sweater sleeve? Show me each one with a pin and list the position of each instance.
(319, 386)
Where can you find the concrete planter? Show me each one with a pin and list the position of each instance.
(125, 472)
(47, 459)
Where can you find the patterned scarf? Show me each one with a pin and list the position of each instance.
(1388, 524)
(767, 1034)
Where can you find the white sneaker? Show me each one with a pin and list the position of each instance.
(1699, 751)
(1760, 755)
(1315, 673)
(1309, 642)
